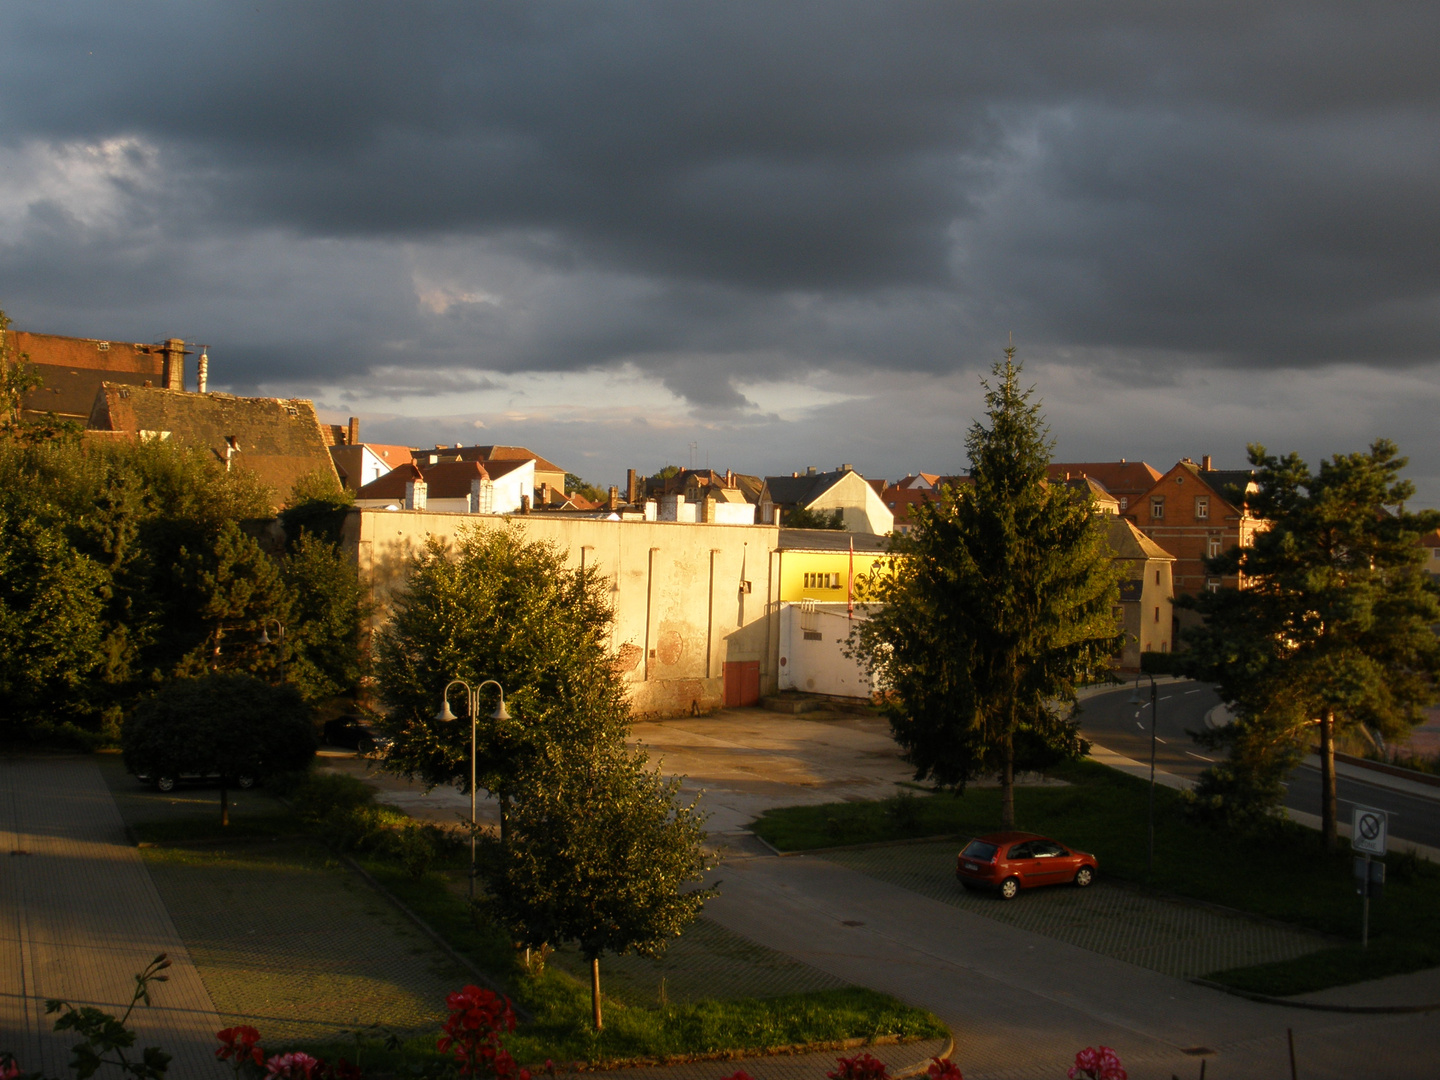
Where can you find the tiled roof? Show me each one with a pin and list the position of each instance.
(488, 454)
(1119, 477)
(277, 439)
(1128, 542)
(801, 490)
(445, 480)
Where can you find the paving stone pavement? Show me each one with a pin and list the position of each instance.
(897, 1056)
(81, 917)
(1169, 936)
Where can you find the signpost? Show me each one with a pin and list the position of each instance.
(1369, 834)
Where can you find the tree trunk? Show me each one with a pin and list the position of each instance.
(1327, 780)
(224, 805)
(595, 991)
(1007, 784)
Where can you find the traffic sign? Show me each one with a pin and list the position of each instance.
(1370, 829)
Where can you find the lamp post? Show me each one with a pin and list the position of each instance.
(472, 702)
(1136, 699)
(279, 639)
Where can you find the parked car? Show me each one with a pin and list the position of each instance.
(170, 783)
(356, 733)
(1010, 861)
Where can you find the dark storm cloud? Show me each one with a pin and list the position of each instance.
(792, 185)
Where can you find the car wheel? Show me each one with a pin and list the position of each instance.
(1083, 877)
(165, 783)
(245, 783)
(365, 746)
(1009, 888)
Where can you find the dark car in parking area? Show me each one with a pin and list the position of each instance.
(1010, 861)
(356, 733)
(167, 783)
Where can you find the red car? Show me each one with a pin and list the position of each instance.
(1011, 861)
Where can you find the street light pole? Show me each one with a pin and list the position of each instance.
(472, 703)
(1136, 699)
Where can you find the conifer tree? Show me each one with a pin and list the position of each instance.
(1331, 629)
(1002, 599)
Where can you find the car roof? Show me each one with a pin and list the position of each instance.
(1009, 837)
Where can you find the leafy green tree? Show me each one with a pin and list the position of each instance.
(1002, 600)
(325, 610)
(51, 628)
(801, 518)
(496, 606)
(599, 853)
(226, 724)
(577, 486)
(1331, 629)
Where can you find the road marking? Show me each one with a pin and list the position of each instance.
(1200, 691)
(1202, 757)
(1167, 697)
(1159, 740)
(1139, 725)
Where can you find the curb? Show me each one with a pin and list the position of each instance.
(792, 1050)
(1317, 1006)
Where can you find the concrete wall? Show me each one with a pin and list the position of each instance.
(812, 651)
(682, 608)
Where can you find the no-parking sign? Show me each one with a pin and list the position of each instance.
(1369, 830)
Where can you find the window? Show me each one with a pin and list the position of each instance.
(1019, 851)
(1212, 584)
(1157, 577)
(102, 346)
(1124, 502)
(1202, 507)
(814, 635)
(822, 581)
(1157, 508)
(1213, 547)
(1157, 614)
(979, 851)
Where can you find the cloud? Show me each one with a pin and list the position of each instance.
(708, 204)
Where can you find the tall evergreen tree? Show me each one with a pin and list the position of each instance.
(1331, 628)
(1002, 598)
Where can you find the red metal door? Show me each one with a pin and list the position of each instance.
(742, 683)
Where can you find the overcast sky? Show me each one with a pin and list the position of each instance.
(789, 234)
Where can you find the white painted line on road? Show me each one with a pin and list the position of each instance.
(1167, 697)
(1159, 740)
(1201, 757)
(1200, 691)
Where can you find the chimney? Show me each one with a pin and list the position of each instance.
(615, 492)
(525, 504)
(1205, 462)
(415, 491)
(809, 470)
(202, 372)
(545, 494)
(632, 488)
(352, 436)
(475, 486)
(847, 467)
(174, 352)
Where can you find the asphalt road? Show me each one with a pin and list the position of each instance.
(1111, 721)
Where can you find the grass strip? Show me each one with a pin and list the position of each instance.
(1280, 873)
(560, 1004)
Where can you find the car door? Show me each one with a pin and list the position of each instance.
(1022, 864)
(1052, 862)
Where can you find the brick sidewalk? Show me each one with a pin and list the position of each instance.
(81, 917)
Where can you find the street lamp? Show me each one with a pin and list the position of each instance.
(279, 639)
(472, 702)
(1136, 699)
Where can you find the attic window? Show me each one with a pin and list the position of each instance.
(292, 410)
(102, 346)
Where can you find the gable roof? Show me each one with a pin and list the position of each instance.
(488, 454)
(277, 439)
(801, 490)
(1119, 477)
(444, 480)
(1128, 542)
(74, 368)
(349, 457)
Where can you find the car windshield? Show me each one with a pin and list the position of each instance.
(979, 851)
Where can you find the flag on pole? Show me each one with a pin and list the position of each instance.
(850, 605)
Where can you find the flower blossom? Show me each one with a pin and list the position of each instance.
(296, 1066)
(1094, 1063)
(943, 1070)
(860, 1067)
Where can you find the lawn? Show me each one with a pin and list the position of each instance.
(1281, 874)
(713, 993)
